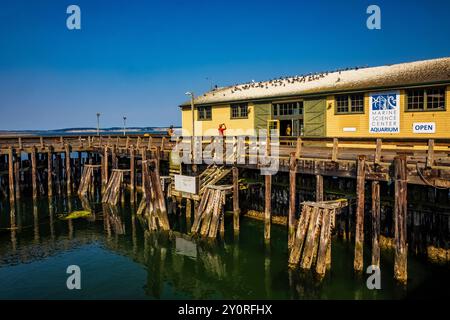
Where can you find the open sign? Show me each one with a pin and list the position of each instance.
(424, 127)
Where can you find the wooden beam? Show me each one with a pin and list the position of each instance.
(50, 172)
(34, 172)
(430, 153)
(359, 234)
(400, 214)
(377, 157)
(236, 209)
(292, 196)
(375, 223)
(268, 207)
(11, 175)
(17, 165)
(132, 172)
(298, 148)
(334, 154)
(68, 169)
(319, 188)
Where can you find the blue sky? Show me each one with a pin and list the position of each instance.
(138, 58)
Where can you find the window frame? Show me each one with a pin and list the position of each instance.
(204, 110)
(350, 99)
(239, 107)
(283, 108)
(425, 99)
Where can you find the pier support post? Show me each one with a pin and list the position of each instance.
(17, 165)
(292, 196)
(68, 170)
(319, 188)
(400, 216)
(105, 169)
(188, 210)
(236, 209)
(50, 173)
(375, 223)
(11, 175)
(34, 172)
(359, 234)
(115, 164)
(132, 173)
(268, 207)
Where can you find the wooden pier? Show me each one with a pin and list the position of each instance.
(55, 165)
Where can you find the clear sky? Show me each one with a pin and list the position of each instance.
(138, 58)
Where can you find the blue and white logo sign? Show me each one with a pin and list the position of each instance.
(384, 112)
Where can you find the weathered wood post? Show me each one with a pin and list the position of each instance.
(58, 172)
(236, 209)
(268, 208)
(319, 187)
(401, 250)
(17, 165)
(50, 172)
(359, 234)
(11, 175)
(292, 196)
(34, 172)
(115, 164)
(132, 173)
(68, 170)
(188, 210)
(143, 158)
(375, 223)
(105, 169)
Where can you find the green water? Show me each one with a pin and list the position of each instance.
(120, 260)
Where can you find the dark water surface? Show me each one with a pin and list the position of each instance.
(119, 260)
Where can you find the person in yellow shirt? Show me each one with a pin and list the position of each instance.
(288, 130)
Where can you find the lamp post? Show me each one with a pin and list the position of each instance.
(193, 124)
(124, 124)
(98, 123)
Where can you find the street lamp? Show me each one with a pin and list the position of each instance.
(98, 123)
(193, 125)
(124, 124)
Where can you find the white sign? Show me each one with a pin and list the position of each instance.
(384, 112)
(349, 129)
(185, 183)
(424, 127)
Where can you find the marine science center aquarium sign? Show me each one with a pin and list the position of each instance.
(384, 114)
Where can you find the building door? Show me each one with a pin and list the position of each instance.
(297, 127)
(273, 125)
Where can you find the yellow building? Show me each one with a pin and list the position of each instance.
(402, 100)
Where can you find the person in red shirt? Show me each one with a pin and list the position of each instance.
(222, 128)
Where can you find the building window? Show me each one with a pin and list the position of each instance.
(287, 108)
(427, 99)
(353, 103)
(239, 111)
(204, 113)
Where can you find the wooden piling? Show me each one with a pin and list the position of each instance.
(49, 173)
(268, 207)
(359, 234)
(375, 223)
(319, 188)
(11, 175)
(400, 214)
(105, 169)
(68, 170)
(236, 209)
(292, 196)
(34, 172)
(17, 165)
(132, 173)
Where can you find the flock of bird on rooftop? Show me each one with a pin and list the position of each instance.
(282, 81)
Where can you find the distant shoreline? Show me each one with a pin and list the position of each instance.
(81, 131)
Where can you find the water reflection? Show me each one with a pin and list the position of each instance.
(235, 266)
